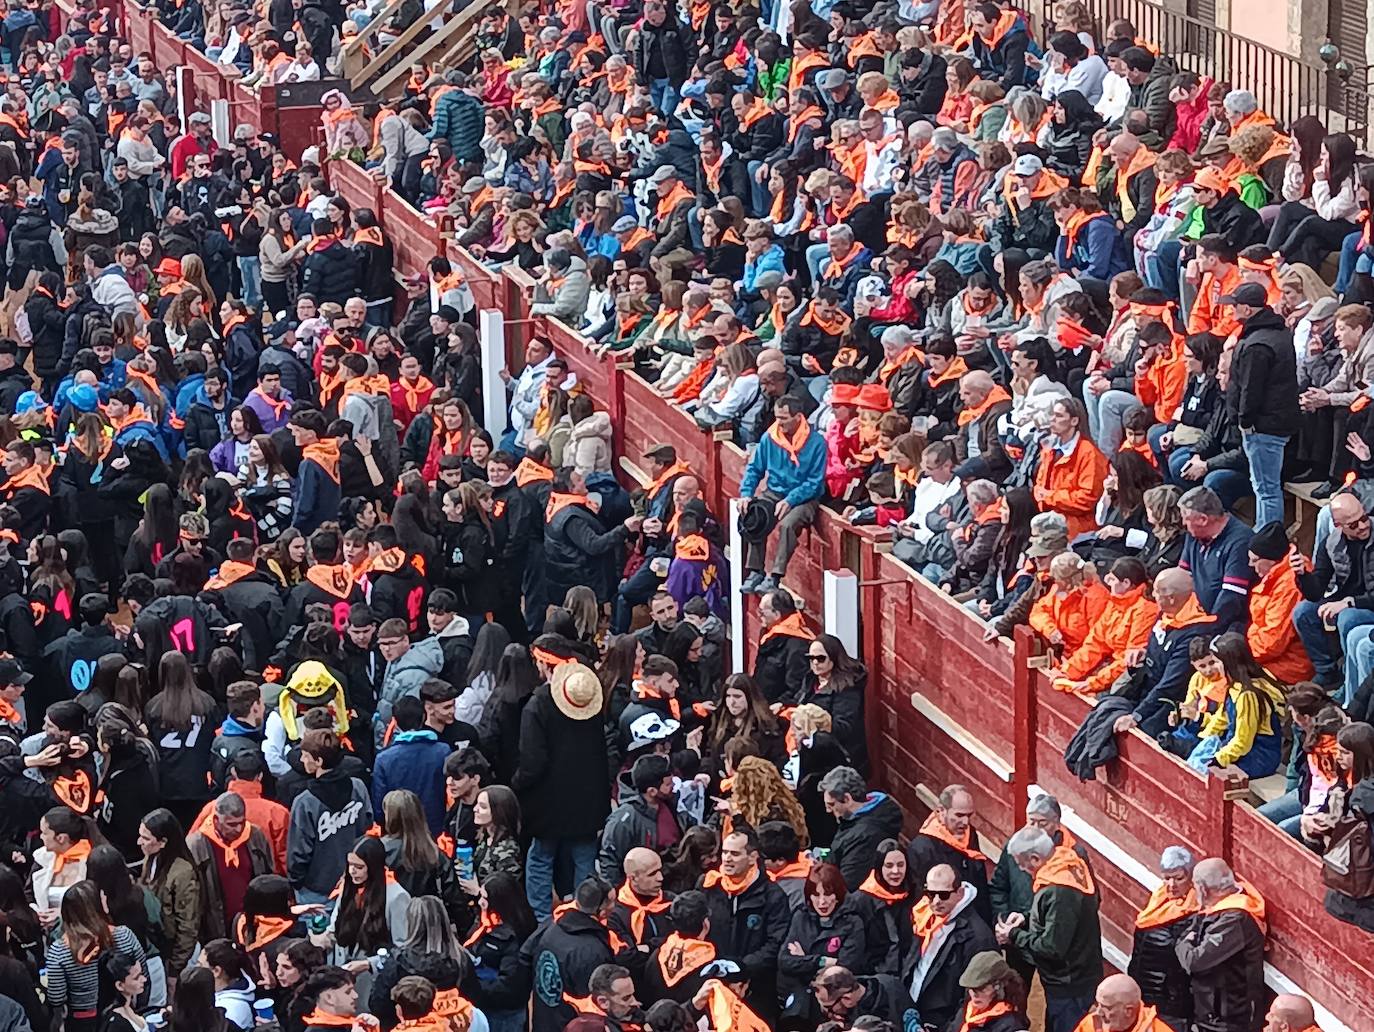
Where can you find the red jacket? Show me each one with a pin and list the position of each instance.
(899, 308)
(1190, 114)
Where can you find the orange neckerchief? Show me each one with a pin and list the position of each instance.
(333, 580)
(231, 849)
(758, 109)
(791, 626)
(800, 66)
(389, 561)
(978, 1018)
(644, 690)
(925, 923)
(265, 930)
(793, 446)
(1077, 221)
(415, 390)
(839, 214)
(661, 481)
(558, 502)
(911, 353)
(318, 1017)
(370, 235)
(618, 945)
(680, 956)
(229, 572)
(8, 714)
(531, 472)
(886, 101)
(876, 889)
(488, 922)
(78, 853)
(29, 476)
(676, 196)
(798, 868)
(835, 327)
(996, 395)
(935, 828)
(730, 884)
(325, 454)
(1163, 909)
(954, 371)
(1005, 22)
(1244, 898)
(639, 910)
(795, 123)
(1067, 869)
(1323, 756)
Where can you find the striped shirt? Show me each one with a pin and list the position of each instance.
(77, 985)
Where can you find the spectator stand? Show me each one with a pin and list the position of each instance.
(441, 49)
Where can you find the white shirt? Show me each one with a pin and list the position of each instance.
(1085, 77)
(930, 495)
(1116, 94)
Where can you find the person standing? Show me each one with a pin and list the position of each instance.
(227, 853)
(1223, 951)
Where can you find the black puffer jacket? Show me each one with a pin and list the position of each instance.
(466, 557)
(48, 324)
(577, 550)
(562, 780)
(1263, 391)
(1154, 965)
(331, 273)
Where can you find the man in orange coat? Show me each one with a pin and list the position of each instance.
(270, 817)
(1272, 637)
(1123, 628)
(1121, 1009)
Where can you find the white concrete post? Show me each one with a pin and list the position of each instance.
(737, 598)
(841, 608)
(491, 340)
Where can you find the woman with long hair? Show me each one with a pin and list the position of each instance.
(234, 990)
(1122, 527)
(269, 919)
(428, 947)
(496, 816)
(60, 860)
(1246, 732)
(884, 901)
(697, 852)
(684, 646)
(468, 544)
(170, 875)
(998, 1004)
(86, 452)
(516, 680)
(231, 455)
(266, 489)
(759, 794)
(52, 587)
(128, 779)
(280, 253)
(836, 682)
(487, 649)
(156, 535)
(824, 931)
(617, 671)
(1165, 520)
(741, 711)
(283, 978)
(1306, 234)
(193, 1005)
(130, 904)
(370, 917)
(72, 990)
(286, 560)
(496, 986)
(581, 602)
(182, 720)
(411, 852)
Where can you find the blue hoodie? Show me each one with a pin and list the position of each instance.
(189, 391)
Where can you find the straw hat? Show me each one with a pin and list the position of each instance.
(576, 691)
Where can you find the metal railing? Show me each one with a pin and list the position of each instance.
(1285, 86)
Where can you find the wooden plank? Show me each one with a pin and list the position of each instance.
(400, 48)
(372, 27)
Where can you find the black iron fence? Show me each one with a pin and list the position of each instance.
(1284, 85)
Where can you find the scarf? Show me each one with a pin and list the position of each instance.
(332, 580)
(911, 353)
(798, 868)
(837, 326)
(954, 371)
(926, 924)
(415, 392)
(640, 911)
(531, 472)
(876, 889)
(77, 853)
(1244, 898)
(978, 1018)
(995, 396)
(791, 626)
(935, 828)
(558, 502)
(1065, 868)
(1141, 160)
(229, 573)
(9, 715)
(755, 111)
(1076, 224)
(30, 476)
(666, 205)
(1163, 909)
(661, 481)
(792, 446)
(488, 923)
(231, 849)
(731, 885)
(807, 114)
(324, 454)
(265, 930)
(680, 956)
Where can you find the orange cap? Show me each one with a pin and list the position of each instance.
(874, 396)
(1210, 179)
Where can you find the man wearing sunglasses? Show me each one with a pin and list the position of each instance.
(844, 998)
(949, 933)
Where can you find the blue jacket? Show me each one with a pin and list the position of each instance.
(317, 498)
(414, 760)
(1099, 252)
(798, 482)
(460, 119)
(143, 430)
(769, 261)
(189, 391)
(113, 377)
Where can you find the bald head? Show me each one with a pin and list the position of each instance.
(1118, 1003)
(1348, 516)
(1173, 588)
(1118, 989)
(1289, 1013)
(1123, 148)
(644, 872)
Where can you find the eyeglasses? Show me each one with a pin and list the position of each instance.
(818, 659)
(941, 894)
(390, 642)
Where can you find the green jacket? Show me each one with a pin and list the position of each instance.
(771, 78)
(1063, 939)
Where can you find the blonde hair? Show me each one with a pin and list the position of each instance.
(1251, 144)
(808, 718)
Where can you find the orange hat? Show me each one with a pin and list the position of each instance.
(169, 267)
(844, 393)
(874, 396)
(1210, 179)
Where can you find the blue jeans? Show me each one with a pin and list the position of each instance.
(1063, 1013)
(635, 591)
(1316, 639)
(1353, 626)
(1230, 485)
(250, 271)
(544, 854)
(663, 95)
(816, 255)
(1153, 435)
(1265, 452)
(1162, 268)
(759, 196)
(1107, 414)
(1350, 250)
(1285, 811)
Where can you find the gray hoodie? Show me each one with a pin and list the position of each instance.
(332, 812)
(569, 301)
(422, 661)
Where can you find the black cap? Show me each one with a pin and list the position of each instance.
(1250, 294)
(448, 313)
(12, 673)
(94, 606)
(1270, 542)
(441, 600)
(437, 690)
(360, 614)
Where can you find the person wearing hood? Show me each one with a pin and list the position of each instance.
(14, 381)
(407, 668)
(131, 423)
(949, 934)
(865, 819)
(332, 812)
(239, 734)
(590, 440)
(26, 488)
(1073, 123)
(414, 760)
(645, 817)
(394, 583)
(1263, 392)
(35, 243)
(999, 44)
(562, 292)
(317, 480)
(47, 323)
(206, 414)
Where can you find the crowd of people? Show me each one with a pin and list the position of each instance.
(322, 706)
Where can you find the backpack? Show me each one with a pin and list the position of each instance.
(91, 321)
(1348, 863)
